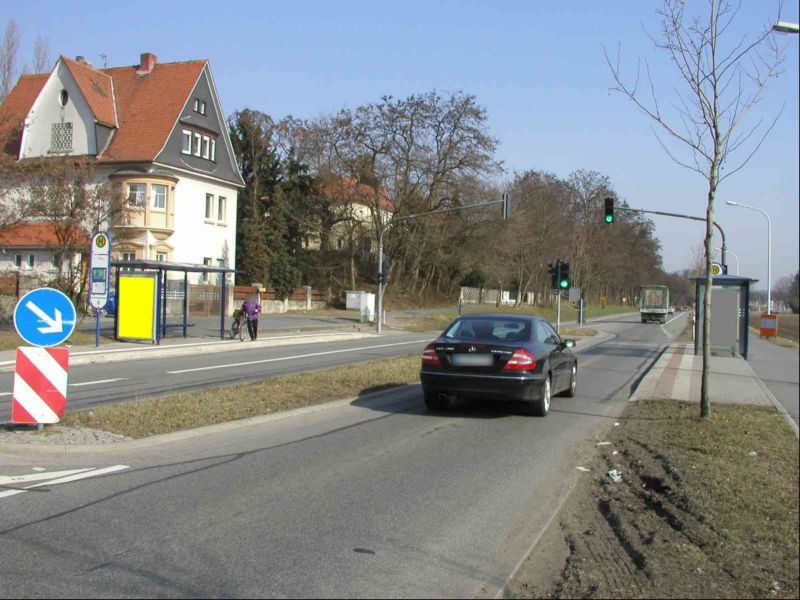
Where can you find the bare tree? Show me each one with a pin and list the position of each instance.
(64, 193)
(8, 58)
(41, 55)
(723, 78)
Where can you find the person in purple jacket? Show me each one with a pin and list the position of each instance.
(252, 309)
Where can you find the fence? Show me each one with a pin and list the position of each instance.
(303, 298)
(470, 295)
(13, 286)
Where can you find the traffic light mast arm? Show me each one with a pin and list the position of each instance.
(680, 216)
(505, 201)
(444, 210)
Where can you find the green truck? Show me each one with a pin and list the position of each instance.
(654, 303)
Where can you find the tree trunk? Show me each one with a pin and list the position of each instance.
(705, 392)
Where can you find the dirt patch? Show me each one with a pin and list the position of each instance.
(703, 509)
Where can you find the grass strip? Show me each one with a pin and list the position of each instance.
(578, 331)
(9, 340)
(739, 472)
(704, 508)
(152, 416)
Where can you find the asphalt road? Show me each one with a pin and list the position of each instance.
(779, 369)
(373, 498)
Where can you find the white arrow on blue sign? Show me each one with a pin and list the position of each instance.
(44, 317)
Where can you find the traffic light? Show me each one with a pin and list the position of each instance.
(552, 270)
(563, 276)
(609, 214)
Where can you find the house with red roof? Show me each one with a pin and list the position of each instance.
(156, 130)
(27, 247)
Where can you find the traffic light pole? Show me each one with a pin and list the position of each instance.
(505, 201)
(558, 311)
(724, 246)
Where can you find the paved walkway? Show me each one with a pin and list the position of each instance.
(677, 372)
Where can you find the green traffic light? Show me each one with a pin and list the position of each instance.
(564, 284)
(609, 218)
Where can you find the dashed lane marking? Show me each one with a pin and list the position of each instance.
(98, 382)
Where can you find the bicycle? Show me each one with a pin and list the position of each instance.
(238, 327)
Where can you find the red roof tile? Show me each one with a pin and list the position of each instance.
(148, 107)
(14, 110)
(96, 88)
(32, 235)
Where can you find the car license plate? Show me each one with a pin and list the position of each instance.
(473, 360)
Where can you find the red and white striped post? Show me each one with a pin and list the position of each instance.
(40, 385)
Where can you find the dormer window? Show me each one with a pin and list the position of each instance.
(63, 97)
(198, 144)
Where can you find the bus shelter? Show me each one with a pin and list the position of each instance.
(730, 307)
(156, 286)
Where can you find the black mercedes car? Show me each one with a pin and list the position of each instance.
(500, 357)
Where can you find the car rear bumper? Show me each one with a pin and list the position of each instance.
(521, 388)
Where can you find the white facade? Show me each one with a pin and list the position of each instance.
(198, 237)
(47, 110)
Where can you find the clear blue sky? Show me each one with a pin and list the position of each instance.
(537, 67)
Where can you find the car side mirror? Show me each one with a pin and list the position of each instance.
(569, 343)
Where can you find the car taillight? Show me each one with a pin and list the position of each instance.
(521, 360)
(429, 356)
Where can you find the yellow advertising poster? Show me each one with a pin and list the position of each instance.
(136, 306)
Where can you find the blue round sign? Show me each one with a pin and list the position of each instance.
(44, 317)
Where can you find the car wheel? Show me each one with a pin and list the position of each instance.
(573, 383)
(541, 406)
(434, 401)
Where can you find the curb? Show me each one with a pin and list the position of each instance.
(396, 394)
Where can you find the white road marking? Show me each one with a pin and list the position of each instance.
(99, 381)
(61, 477)
(269, 360)
(672, 319)
(38, 469)
(19, 479)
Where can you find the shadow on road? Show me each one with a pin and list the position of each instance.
(409, 400)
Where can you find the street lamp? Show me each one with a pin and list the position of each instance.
(769, 250)
(733, 255)
(786, 27)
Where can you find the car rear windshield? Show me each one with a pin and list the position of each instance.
(490, 329)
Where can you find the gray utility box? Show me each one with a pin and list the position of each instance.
(730, 298)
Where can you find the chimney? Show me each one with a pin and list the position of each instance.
(146, 63)
(80, 59)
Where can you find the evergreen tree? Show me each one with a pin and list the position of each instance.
(251, 134)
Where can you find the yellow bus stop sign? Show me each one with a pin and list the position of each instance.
(716, 269)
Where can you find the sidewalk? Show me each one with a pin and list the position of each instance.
(677, 372)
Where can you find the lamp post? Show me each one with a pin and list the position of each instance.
(769, 250)
(786, 27)
(732, 254)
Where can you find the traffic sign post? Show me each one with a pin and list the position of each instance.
(43, 317)
(100, 270)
